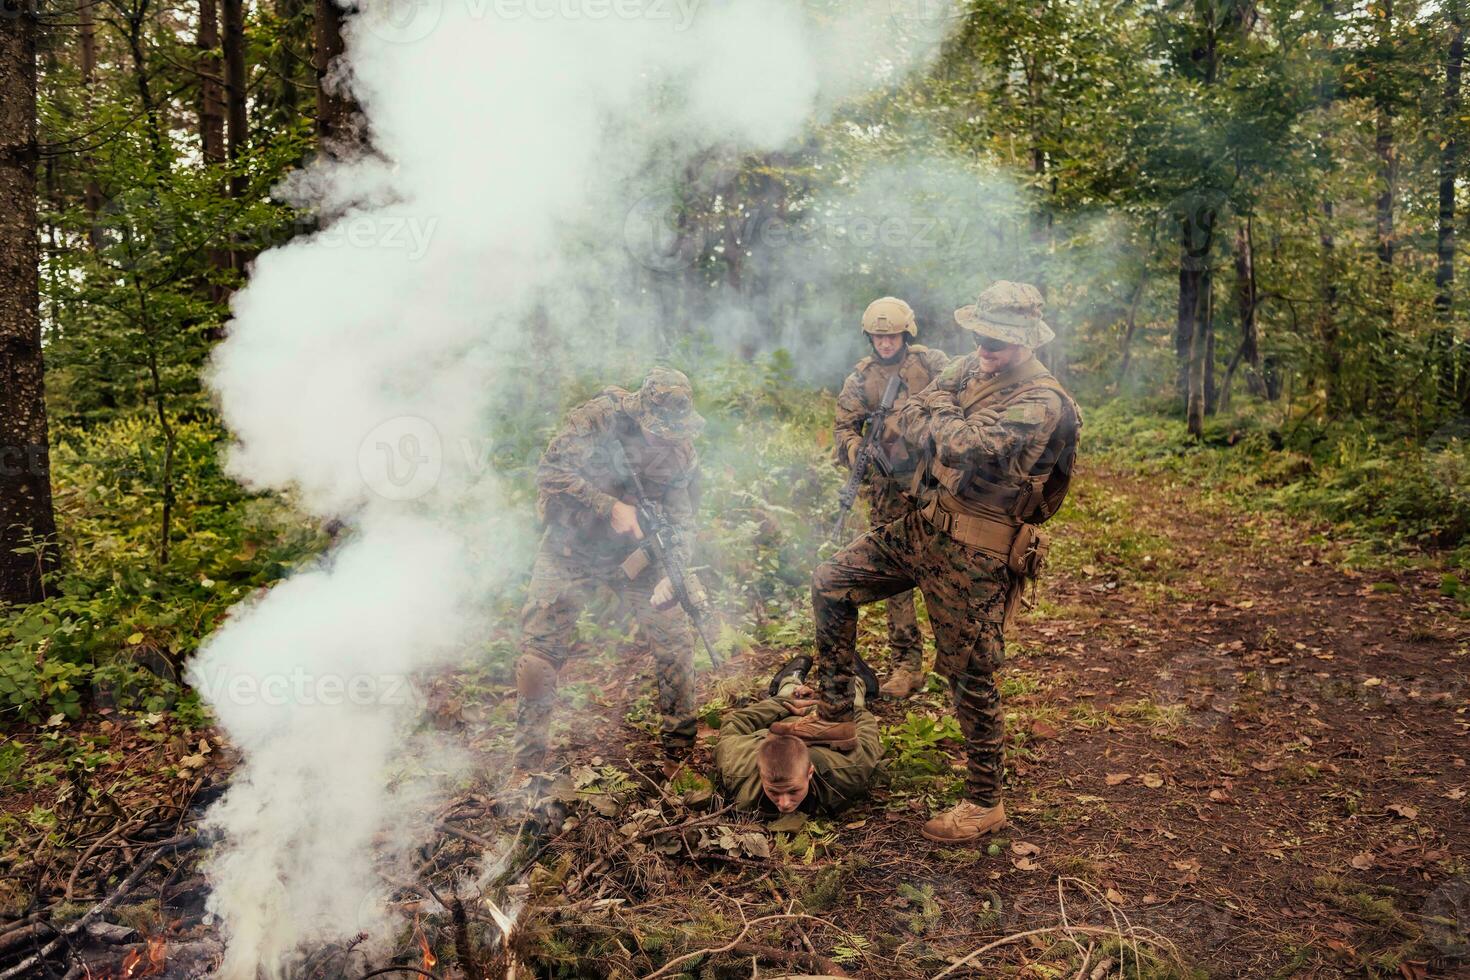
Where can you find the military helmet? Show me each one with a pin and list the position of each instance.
(889, 315)
(1007, 311)
(664, 405)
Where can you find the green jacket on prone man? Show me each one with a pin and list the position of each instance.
(759, 770)
(586, 496)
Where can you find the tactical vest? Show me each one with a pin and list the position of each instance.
(994, 512)
(916, 378)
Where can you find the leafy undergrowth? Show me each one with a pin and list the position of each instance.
(1234, 746)
(1385, 493)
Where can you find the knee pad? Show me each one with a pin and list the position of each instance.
(535, 678)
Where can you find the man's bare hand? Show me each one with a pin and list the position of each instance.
(663, 594)
(800, 706)
(804, 691)
(624, 520)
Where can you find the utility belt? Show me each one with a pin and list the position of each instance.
(1021, 546)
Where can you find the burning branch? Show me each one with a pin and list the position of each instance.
(28, 964)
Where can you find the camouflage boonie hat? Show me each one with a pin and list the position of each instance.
(888, 316)
(664, 406)
(1008, 311)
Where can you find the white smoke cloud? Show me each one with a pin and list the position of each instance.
(482, 250)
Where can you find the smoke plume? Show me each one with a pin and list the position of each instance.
(489, 247)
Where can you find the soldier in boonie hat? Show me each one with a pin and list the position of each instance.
(1009, 312)
(664, 405)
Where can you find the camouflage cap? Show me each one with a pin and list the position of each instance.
(889, 315)
(1008, 311)
(664, 405)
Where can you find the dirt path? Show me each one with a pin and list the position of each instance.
(1217, 737)
(1229, 740)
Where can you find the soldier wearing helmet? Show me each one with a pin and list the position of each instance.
(889, 324)
(997, 436)
(585, 498)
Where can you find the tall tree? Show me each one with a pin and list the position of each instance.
(237, 125)
(27, 523)
(1449, 161)
(1383, 143)
(336, 113)
(212, 120)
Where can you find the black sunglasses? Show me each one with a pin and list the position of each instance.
(990, 344)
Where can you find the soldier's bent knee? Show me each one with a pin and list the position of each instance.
(535, 678)
(824, 581)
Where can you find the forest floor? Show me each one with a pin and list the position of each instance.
(1228, 755)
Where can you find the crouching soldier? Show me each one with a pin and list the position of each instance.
(762, 770)
(999, 435)
(889, 324)
(586, 497)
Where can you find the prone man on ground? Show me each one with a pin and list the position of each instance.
(997, 438)
(889, 324)
(588, 485)
(762, 770)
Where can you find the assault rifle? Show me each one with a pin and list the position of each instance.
(660, 546)
(867, 453)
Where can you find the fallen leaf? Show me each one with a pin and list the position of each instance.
(1219, 796)
(192, 762)
(1455, 794)
(1362, 861)
(1114, 778)
(1373, 682)
(1191, 866)
(1022, 849)
(1152, 780)
(1042, 729)
(1404, 810)
(855, 824)
(1113, 896)
(789, 823)
(135, 639)
(1151, 899)
(1026, 864)
(755, 845)
(1268, 765)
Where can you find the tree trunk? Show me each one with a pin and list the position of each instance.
(237, 126)
(26, 517)
(1194, 399)
(92, 194)
(1384, 148)
(1132, 324)
(336, 113)
(212, 120)
(1197, 237)
(1249, 351)
(211, 88)
(1327, 325)
(1449, 171)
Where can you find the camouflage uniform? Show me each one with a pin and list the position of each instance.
(985, 449)
(581, 476)
(860, 396)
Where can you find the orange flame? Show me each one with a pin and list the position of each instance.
(139, 963)
(430, 960)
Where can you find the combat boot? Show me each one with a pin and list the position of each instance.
(903, 682)
(814, 730)
(965, 822)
